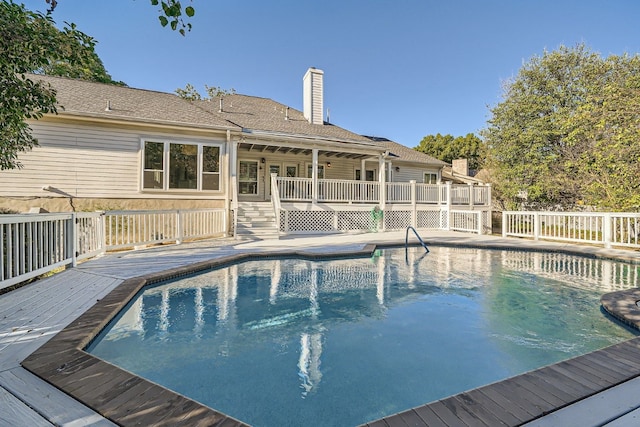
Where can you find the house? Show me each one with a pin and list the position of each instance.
(276, 169)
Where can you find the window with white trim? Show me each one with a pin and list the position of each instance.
(430, 178)
(173, 166)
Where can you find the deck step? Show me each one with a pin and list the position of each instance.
(256, 220)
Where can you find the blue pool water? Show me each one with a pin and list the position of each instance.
(342, 342)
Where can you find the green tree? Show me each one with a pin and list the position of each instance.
(30, 42)
(447, 148)
(170, 13)
(529, 149)
(607, 125)
(190, 93)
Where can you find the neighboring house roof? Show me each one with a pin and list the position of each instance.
(265, 115)
(406, 154)
(98, 100)
(457, 178)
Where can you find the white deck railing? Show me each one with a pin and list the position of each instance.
(600, 228)
(467, 221)
(349, 191)
(34, 244)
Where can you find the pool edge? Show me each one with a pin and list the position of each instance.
(111, 391)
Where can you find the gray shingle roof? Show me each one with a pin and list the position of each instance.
(82, 98)
(266, 115)
(406, 154)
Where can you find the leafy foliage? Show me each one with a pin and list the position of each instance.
(171, 15)
(564, 133)
(30, 42)
(447, 148)
(190, 93)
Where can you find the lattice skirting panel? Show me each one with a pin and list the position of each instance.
(431, 219)
(308, 221)
(397, 220)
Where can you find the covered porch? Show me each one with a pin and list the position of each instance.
(300, 162)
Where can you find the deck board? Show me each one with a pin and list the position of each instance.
(57, 407)
(16, 413)
(596, 409)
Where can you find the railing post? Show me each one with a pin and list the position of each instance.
(608, 235)
(471, 196)
(73, 239)
(179, 233)
(414, 208)
(479, 222)
(536, 225)
(448, 206)
(504, 223)
(102, 223)
(314, 176)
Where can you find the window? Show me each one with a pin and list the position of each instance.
(248, 177)
(153, 174)
(430, 178)
(310, 171)
(369, 175)
(181, 166)
(210, 168)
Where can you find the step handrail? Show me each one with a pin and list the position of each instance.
(406, 238)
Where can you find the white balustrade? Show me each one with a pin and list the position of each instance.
(34, 244)
(350, 191)
(601, 228)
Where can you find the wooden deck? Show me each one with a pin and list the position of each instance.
(45, 325)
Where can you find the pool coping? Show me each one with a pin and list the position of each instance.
(127, 399)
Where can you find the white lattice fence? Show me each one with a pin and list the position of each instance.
(355, 220)
(397, 220)
(428, 219)
(308, 221)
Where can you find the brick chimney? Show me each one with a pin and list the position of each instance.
(313, 96)
(460, 166)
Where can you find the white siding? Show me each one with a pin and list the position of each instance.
(408, 173)
(84, 162)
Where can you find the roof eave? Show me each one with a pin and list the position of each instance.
(140, 121)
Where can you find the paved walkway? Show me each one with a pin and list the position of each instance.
(31, 315)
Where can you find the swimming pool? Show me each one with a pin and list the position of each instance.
(342, 342)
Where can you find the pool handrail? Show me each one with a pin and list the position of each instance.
(406, 238)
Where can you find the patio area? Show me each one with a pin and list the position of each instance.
(32, 315)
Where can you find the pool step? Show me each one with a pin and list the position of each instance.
(256, 220)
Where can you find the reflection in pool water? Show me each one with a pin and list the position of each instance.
(342, 342)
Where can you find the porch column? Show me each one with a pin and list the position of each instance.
(232, 192)
(233, 166)
(314, 176)
(381, 180)
(363, 172)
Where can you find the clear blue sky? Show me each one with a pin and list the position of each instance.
(401, 69)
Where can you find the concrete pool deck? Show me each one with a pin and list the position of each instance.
(32, 315)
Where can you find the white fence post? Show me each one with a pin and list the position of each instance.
(504, 223)
(73, 239)
(479, 221)
(448, 206)
(607, 238)
(414, 208)
(179, 232)
(536, 225)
